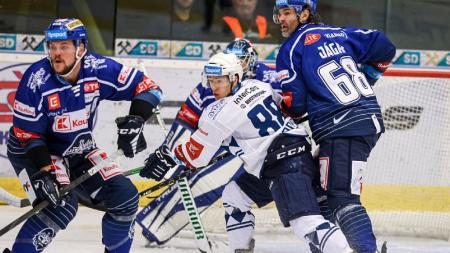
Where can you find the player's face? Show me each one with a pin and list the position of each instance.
(245, 8)
(62, 55)
(220, 86)
(288, 21)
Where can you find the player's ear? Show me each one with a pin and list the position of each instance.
(304, 16)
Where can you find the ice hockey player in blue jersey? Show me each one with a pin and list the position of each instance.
(208, 185)
(272, 148)
(51, 141)
(328, 72)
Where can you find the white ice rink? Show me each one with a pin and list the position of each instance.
(84, 236)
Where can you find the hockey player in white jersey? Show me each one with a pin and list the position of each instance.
(271, 147)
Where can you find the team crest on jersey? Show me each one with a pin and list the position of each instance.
(311, 39)
(43, 238)
(37, 79)
(83, 142)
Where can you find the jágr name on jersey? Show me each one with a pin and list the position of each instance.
(330, 49)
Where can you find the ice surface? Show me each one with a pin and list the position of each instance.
(84, 235)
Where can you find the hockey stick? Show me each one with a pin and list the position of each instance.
(186, 196)
(63, 191)
(12, 199)
(189, 203)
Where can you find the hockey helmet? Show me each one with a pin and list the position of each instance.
(67, 29)
(246, 52)
(222, 64)
(298, 6)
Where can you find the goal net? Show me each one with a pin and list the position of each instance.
(407, 191)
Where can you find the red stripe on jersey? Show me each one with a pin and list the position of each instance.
(187, 115)
(145, 85)
(179, 154)
(24, 135)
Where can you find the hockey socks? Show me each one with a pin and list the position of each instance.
(40, 229)
(240, 227)
(357, 227)
(324, 235)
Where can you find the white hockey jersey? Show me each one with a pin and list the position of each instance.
(250, 119)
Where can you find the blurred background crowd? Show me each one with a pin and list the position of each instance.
(411, 24)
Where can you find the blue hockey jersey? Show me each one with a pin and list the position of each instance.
(318, 67)
(48, 109)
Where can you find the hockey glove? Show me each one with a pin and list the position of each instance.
(373, 71)
(159, 163)
(131, 139)
(46, 187)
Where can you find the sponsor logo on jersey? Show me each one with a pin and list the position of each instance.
(336, 35)
(311, 39)
(110, 169)
(53, 101)
(123, 75)
(91, 87)
(244, 93)
(282, 74)
(71, 122)
(337, 120)
(145, 85)
(194, 148)
(24, 109)
(216, 108)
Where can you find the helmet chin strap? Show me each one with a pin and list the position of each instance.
(78, 60)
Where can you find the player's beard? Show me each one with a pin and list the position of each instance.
(66, 69)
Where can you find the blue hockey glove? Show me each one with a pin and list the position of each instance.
(373, 71)
(131, 139)
(159, 163)
(46, 187)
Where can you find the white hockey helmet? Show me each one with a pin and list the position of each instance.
(222, 64)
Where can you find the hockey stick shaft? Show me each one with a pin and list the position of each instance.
(188, 201)
(63, 192)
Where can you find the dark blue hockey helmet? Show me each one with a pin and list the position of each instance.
(67, 29)
(298, 5)
(246, 52)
